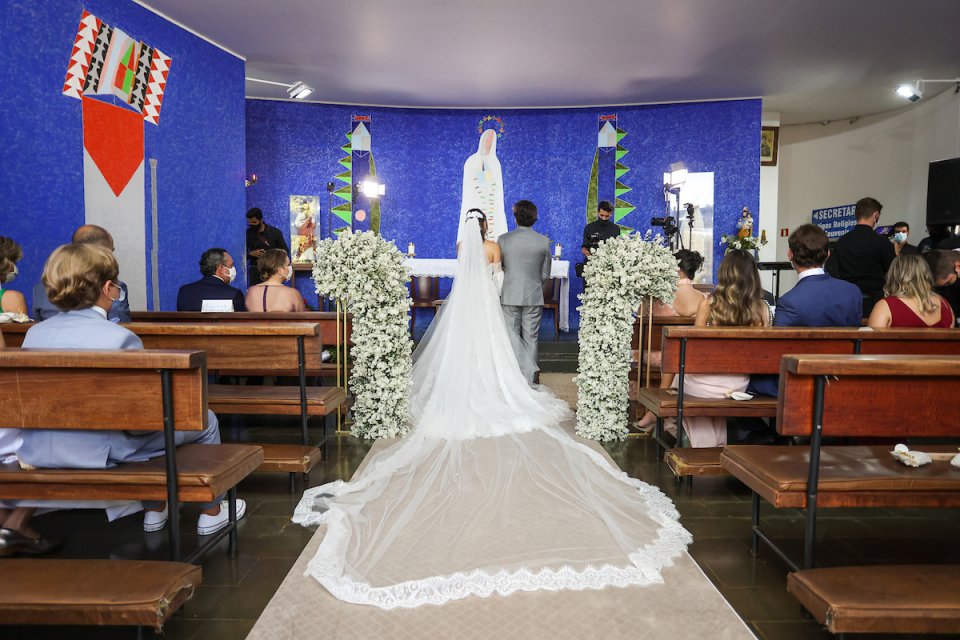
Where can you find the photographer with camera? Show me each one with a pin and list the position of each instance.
(597, 231)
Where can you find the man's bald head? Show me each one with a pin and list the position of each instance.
(92, 234)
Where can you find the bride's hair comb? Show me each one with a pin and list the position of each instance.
(475, 214)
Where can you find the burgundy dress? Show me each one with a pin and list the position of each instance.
(902, 316)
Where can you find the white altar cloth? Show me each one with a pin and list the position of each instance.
(445, 268)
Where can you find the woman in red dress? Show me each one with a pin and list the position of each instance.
(910, 301)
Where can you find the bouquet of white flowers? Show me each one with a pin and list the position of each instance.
(366, 273)
(619, 275)
(748, 243)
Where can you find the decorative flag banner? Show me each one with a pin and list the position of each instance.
(107, 61)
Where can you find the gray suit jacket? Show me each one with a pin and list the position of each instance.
(82, 329)
(526, 266)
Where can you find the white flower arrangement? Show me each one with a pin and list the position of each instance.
(366, 273)
(749, 243)
(619, 275)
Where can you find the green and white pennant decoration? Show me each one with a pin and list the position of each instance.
(344, 210)
(621, 207)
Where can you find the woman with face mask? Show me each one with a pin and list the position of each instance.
(10, 301)
(270, 295)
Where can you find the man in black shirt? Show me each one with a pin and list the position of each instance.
(943, 267)
(901, 231)
(260, 237)
(863, 257)
(597, 231)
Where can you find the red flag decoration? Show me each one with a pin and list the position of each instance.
(113, 138)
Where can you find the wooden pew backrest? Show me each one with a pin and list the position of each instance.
(326, 319)
(101, 389)
(863, 395)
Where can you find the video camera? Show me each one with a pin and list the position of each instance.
(668, 223)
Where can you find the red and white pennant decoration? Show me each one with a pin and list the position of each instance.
(91, 61)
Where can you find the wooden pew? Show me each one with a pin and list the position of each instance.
(830, 396)
(848, 395)
(758, 350)
(271, 348)
(131, 390)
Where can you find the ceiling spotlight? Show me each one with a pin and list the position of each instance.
(914, 92)
(299, 90)
(911, 92)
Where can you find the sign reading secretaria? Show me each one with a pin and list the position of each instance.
(836, 221)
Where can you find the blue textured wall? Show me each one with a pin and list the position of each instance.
(546, 156)
(199, 144)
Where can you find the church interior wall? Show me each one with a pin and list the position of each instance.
(198, 143)
(546, 156)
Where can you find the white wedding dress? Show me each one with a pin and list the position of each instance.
(487, 493)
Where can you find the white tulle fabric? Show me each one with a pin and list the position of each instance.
(487, 493)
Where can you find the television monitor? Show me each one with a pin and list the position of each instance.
(943, 192)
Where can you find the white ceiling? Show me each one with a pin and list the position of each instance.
(811, 60)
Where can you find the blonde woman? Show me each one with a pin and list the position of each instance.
(10, 301)
(270, 295)
(736, 302)
(909, 298)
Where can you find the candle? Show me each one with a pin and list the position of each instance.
(556, 250)
(411, 250)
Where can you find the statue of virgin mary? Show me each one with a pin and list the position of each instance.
(483, 187)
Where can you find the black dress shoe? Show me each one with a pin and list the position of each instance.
(15, 543)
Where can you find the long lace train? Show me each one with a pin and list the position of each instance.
(488, 493)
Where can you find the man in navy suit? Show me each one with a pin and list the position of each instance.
(817, 300)
(218, 271)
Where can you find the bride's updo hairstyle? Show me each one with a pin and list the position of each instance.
(738, 299)
(481, 219)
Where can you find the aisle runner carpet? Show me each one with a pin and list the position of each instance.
(686, 606)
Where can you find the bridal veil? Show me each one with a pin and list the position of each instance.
(488, 493)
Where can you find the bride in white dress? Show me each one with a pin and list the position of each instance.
(487, 493)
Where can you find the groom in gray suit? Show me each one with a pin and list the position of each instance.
(526, 266)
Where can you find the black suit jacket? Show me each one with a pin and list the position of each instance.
(191, 296)
(862, 257)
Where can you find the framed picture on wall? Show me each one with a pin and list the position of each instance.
(769, 143)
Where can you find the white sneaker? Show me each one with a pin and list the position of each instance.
(155, 520)
(211, 524)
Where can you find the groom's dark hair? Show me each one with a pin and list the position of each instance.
(525, 212)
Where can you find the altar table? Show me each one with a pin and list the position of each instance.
(446, 267)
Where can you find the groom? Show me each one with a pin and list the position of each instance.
(526, 266)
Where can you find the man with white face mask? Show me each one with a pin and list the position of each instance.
(901, 231)
(212, 292)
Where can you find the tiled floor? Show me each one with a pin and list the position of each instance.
(715, 510)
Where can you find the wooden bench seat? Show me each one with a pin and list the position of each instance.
(289, 458)
(203, 473)
(94, 592)
(881, 599)
(695, 462)
(252, 400)
(849, 396)
(850, 476)
(665, 402)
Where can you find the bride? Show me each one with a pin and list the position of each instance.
(488, 493)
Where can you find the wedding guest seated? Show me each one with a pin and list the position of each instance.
(10, 301)
(737, 301)
(944, 266)
(85, 234)
(270, 295)
(218, 271)
(686, 303)
(81, 279)
(909, 298)
(817, 300)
